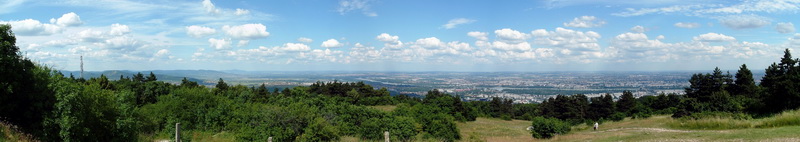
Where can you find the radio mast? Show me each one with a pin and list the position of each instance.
(81, 66)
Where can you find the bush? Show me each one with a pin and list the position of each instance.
(619, 116)
(548, 127)
(505, 117)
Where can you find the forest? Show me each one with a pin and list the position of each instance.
(51, 106)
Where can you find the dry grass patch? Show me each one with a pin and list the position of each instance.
(493, 129)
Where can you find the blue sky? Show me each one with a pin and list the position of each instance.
(407, 35)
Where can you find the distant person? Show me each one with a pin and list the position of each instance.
(596, 125)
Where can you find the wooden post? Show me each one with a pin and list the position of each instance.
(386, 136)
(269, 139)
(177, 132)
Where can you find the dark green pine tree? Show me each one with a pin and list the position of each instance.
(626, 102)
(744, 84)
(151, 77)
(221, 85)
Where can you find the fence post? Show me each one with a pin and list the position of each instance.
(386, 136)
(269, 139)
(177, 132)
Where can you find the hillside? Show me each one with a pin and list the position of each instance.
(655, 128)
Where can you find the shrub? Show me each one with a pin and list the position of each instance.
(548, 127)
(619, 116)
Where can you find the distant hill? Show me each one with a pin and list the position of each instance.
(166, 76)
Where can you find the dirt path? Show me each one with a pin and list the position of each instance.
(661, 130)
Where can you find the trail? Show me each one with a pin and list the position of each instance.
(661, 130)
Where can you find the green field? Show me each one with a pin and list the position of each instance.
(655, 128)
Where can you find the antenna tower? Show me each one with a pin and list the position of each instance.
(81, 66)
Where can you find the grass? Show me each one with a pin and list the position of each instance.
(658, 128)
(11, 134)
(494, 129)
(787, 118)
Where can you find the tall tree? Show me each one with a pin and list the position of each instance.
(25, 98)
(151, 77)
(744, 84)
(626, 102)
(221, 85)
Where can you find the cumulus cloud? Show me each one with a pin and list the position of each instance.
(687, 25)
(713, 37)
(331, 43)
(30, 27)
(431, 42)
(389, 40)
(246, 31)
(210, 8)
(220, 44)
(161, 52)
(479, 35)
(119, 29)
(304, 40)
(241, 11)
(585, 22)
(755, 6)
(638, 29)
(68, 20)
(346, 6)
(199, 31)
(455, 22)
(242, 43)
(523, 46)
(566, 38)
(510, 36)
(294, 47)
(785, 28)
(744, 21)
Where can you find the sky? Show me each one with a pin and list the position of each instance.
(404, 35)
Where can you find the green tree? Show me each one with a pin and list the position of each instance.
(626, 102)
(24, 93)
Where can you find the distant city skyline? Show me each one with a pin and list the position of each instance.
(414, 35)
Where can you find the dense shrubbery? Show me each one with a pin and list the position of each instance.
(548, 127)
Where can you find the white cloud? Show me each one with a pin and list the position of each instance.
(246, 31)
(304, 40)
(687, 25)
(294, 47)
(199, 31)
(119, 29)
(713, 37)
(161, 52)
(750, 6)
(210, 8)
(242, 43)
(455, 22)
(785, 28)
(511, 36)
(585, 22)
(523, 46)
(431, 42)
(30, 27)
(479, 35)
(331, 43)
(638, 29)
(220, 44)
(389, 40)
(566, 38)
(346, 6)
(242, 11)
(68, 20)
(744, 21)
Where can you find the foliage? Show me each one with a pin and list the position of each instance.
(548, 127)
